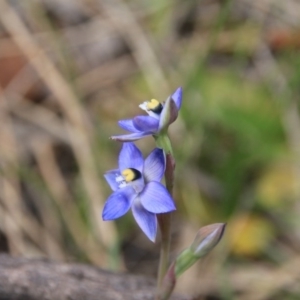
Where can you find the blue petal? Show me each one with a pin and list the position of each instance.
(156, 199)
(130, 157)
(177, 97)
(128, 125)
(118, 203)
(110, 177)
(168, 115)
(145, 219)
(145, 123)
(130, 137)
(154, 166)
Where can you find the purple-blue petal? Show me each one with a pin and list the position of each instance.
(145, 219)
(177, 97)
(110, 177)
(168, 114)
(118, 203)
(156, 199)
(130, 157)
(145, 123)
(154, 166)
(128, 125)
(130, 137)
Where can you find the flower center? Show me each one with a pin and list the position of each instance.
(154, 106)
(127, 176)
(131, 177)
(131, 174)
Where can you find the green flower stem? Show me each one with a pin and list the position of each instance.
(163, 142)
(184, 261)
(168, 284)
(206, 239)
(164, 220)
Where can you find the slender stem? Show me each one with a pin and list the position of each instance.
(163, 142)
(164, 220)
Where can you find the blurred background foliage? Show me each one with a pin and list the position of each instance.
(70, 69)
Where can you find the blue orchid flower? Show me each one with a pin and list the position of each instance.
(161, 115)
(136, 185)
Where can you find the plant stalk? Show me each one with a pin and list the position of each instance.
(164, 220)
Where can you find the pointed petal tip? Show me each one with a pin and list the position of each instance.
(104, 217)
(177, 97)
(113, 138)
(146, 220)
(179, 90)
(152, 238)
(222, 229)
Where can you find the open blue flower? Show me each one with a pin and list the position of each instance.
(161, 115)
(136, 185)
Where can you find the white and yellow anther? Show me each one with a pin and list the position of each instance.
(128, 175)
(152, 107)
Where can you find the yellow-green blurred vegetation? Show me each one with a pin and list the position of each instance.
(69, 70)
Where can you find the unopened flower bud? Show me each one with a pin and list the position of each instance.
(206, 239)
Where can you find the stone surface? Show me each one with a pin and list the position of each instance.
(39, 279)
